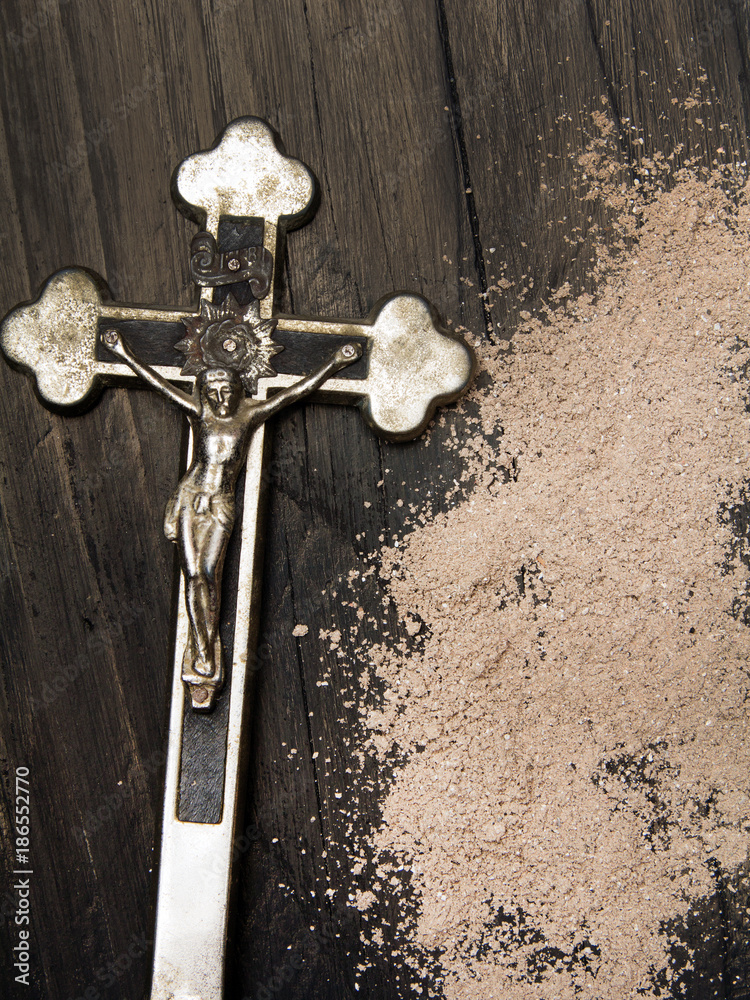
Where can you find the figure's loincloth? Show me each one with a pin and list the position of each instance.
(216, 507)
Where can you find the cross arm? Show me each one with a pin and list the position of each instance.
(410, 363)
(55, 338)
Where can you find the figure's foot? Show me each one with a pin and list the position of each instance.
(203, 667)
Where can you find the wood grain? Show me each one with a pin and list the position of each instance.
(444, 137)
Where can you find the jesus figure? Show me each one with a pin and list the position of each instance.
(200, 513)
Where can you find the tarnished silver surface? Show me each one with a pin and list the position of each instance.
(413, 365)
(244, 176)
(54, 338)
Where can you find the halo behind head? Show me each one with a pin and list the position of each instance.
(229, 338)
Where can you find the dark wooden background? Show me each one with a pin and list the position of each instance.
(431, 126)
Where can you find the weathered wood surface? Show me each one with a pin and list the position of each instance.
(431, 127)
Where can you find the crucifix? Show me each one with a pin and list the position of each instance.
(229, 363)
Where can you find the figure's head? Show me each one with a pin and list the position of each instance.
(221, 390)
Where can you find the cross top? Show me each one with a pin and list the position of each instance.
(244, 176)
(229, 363)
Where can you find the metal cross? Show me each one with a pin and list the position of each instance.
(397, 365)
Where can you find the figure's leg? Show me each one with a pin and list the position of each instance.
(205, 526)
(197, 592)
(212, 564)
(198, 602)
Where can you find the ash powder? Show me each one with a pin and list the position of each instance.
(573, 726)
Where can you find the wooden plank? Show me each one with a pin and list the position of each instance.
(126, 167)
(676, 77)
(522, 128)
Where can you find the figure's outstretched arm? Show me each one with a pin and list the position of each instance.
(114, 342)
(345, 355)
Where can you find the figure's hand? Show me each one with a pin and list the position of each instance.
(113, 341)
(347, 355)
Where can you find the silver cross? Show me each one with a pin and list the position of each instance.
(219, 362)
